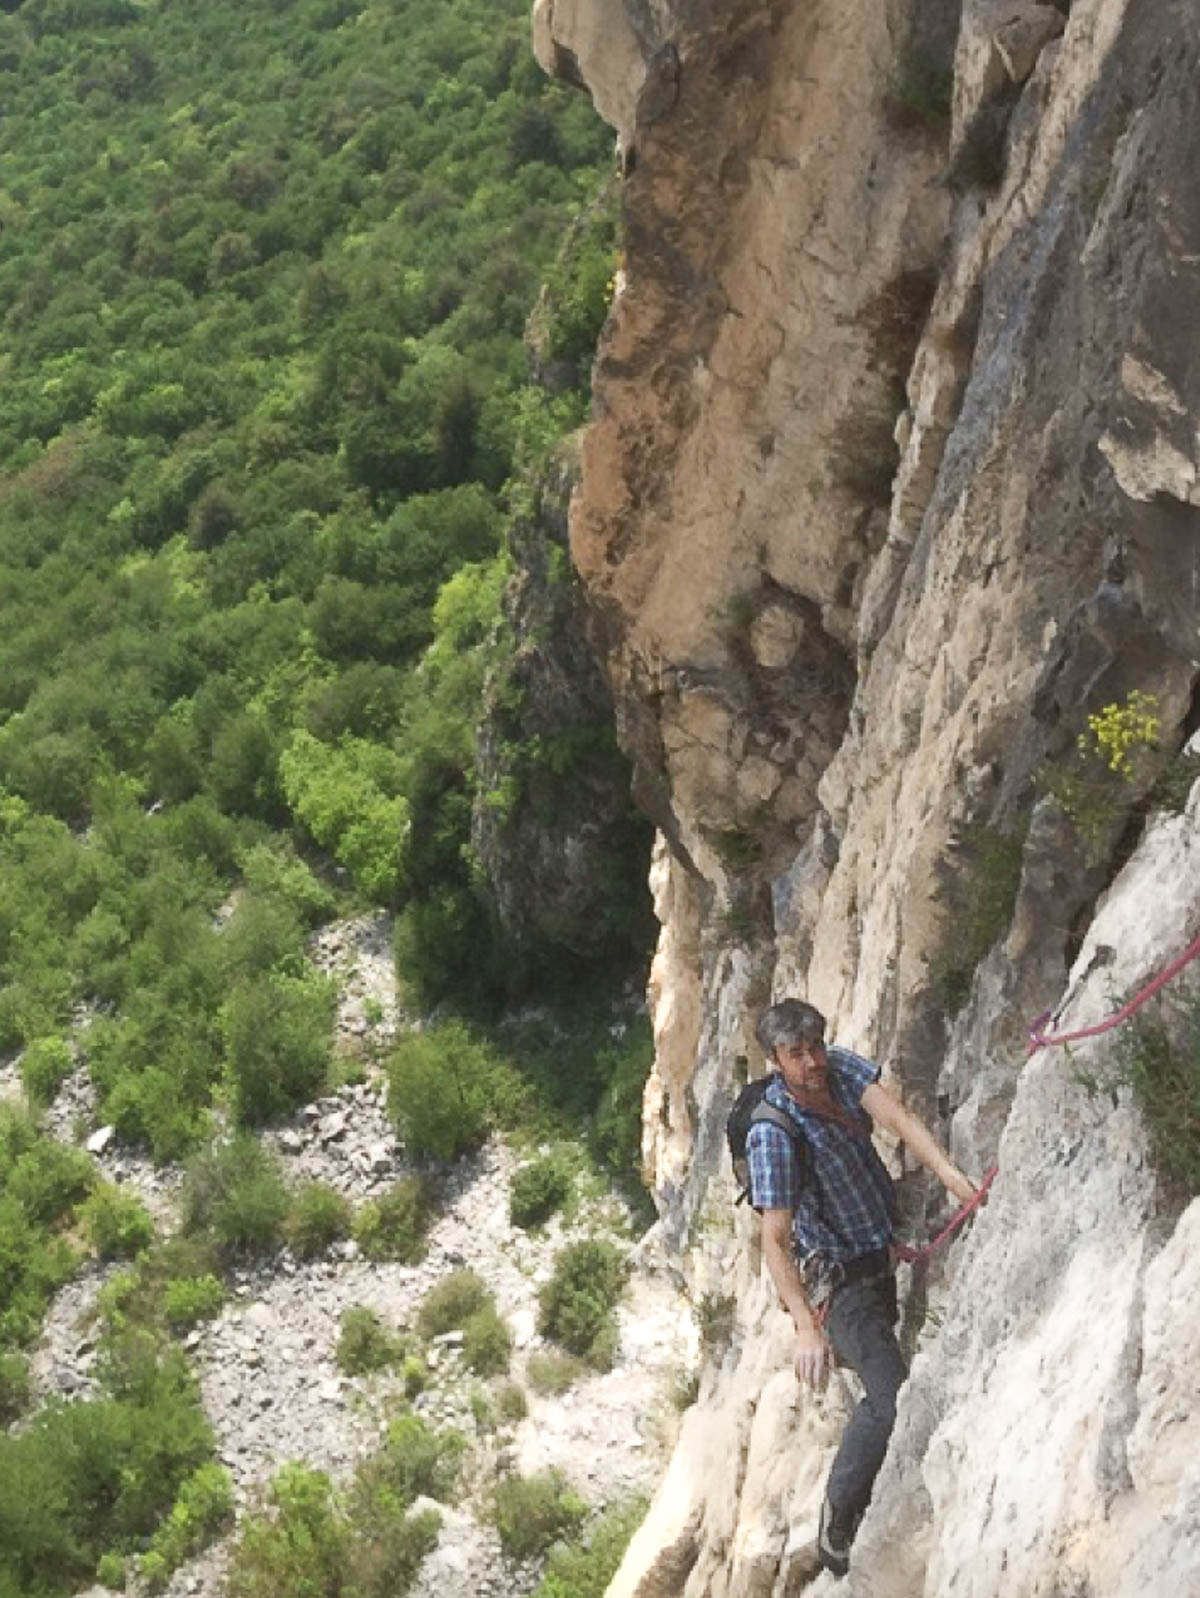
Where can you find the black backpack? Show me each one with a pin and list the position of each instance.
(750, 1106)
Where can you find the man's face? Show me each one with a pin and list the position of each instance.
(802, 1066)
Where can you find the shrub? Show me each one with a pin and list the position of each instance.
(319, 1216)
(862, 457)
(531, 1512)
(415, 1462)
(274, 873)
(394, 1227)
(345, 798)
(982, 157)
(189, 1299)
(44, 1065)
(1114, 762)
(578, 1303)
(110, 1572)
(437, 1091)
(716, 1315)
(387, 1545)
(364, 1343)
(919, 94)
(49, 1180)
(538, 1190)
(300, 1546)
(277, 1031)
(511, 1404)
(154, 1571)
(90, 1478)
(117, 1223)
(416, 1375)
(235, 1190)
(202, 1508)
(980, 895)
(552, 1373)
(487, 1342)
(450, 1303)
(14, 1384)
(1155, 1055)
(585, 1568)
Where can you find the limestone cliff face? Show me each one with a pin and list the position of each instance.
(553, 827)
(894, 478)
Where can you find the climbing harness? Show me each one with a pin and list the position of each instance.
(822, 1281)
(1043, 1040)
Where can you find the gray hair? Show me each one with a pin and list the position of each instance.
(787, 1023)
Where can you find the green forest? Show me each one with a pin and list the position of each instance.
(266, 418)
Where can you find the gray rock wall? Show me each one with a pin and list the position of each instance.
(840, 665)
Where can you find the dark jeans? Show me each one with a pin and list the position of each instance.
(861, 1326)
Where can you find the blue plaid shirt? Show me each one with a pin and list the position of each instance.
(847, 1207)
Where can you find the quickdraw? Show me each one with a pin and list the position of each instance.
(1042, 1040)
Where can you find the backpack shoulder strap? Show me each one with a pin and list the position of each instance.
(780, 1118)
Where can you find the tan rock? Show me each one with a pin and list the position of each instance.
(582, 40)
(890, 681)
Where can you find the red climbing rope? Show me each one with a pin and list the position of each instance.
(910, 1255)
(1041, 1040)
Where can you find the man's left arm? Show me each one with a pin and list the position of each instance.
(887, 1111)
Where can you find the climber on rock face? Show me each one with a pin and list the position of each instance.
(828, 1218)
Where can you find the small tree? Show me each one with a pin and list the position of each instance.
(438, 1091)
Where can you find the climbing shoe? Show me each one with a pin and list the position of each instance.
(834, 1536)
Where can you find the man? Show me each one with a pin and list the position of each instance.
(828, 1217)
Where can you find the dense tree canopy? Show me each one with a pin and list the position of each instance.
(264, 274)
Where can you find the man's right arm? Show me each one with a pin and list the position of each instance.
(813, 1359)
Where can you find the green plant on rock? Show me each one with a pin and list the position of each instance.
(394, 1227)
(15, 1387)
(202, 1509)
(532, 1512)
(487, 1342)
(738, 850)
(117, 1223)
(539, 1190)
(187, 1300)
(981, 893)
(235, 1192)
(981, 159)
(364, 1342)
(577, 1306)
(511, 1404)
(1174, 787)
(919, 92)
(318, 1218)
(584, 1567)
(278, 1033)
(1155, 1055)
(450, 1303)
(1121, 734)
(299, 1545)
(99, 1477)
(862, 457)
(438, 1090)
(110, 1571)
(416, 1461)
(1114, 758)
(716, 1316)
(551, 1373)
(45, 1064)
(415, 1374)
